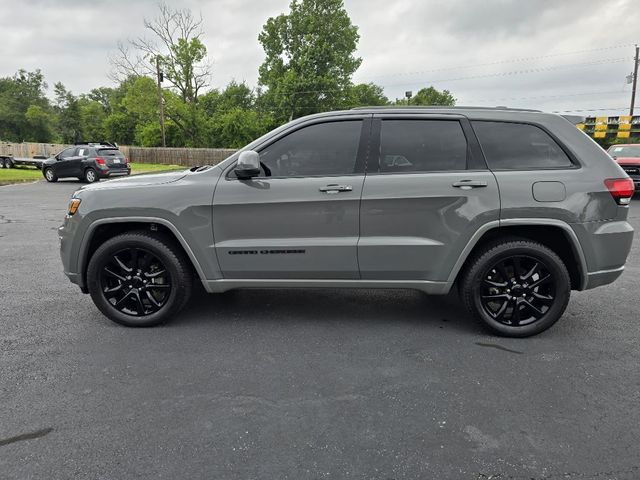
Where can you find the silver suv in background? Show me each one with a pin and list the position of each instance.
(517, 208)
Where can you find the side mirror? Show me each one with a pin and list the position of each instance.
(248, 165)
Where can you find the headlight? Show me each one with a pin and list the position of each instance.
(73, 206)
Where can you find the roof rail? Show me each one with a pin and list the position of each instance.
(443, 107)
(97, 144)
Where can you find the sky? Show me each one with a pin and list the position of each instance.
(567, 56)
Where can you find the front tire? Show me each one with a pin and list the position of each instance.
(90, 175)
(7, 163)
(516, 288)
(50, 175)
(139, 280)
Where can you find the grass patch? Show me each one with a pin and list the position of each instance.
(20, 174)
(29, 174)
(153, 167)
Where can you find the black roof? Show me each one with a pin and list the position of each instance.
(99, 144)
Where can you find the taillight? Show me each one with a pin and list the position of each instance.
(621, 189)
(100, 161)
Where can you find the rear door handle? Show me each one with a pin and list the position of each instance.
(336, 188)
(469, 184)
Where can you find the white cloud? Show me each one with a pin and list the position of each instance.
(70, 40)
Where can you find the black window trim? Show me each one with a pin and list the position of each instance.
(474, 162)
(361, 153)
(575, 164)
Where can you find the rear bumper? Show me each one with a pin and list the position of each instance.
(603, 277)
(114, 173)
(606, 246)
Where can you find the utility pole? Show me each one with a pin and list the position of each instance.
(160, 99)
(635, 82)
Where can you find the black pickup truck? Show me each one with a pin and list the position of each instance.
(7, 161)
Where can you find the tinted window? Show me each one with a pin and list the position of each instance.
(514, 146)
(68, 152)
(110, 152)
(322, 149)
(422, 146)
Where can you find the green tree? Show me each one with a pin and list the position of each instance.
(119, 126)
(39, 122)
(309, 58)
(92, 119)
(175, 44)
(24, 109)
(104, 96)
(237, 127)
(67, 109)
(366, 94)
(431, 96)
(175, 39)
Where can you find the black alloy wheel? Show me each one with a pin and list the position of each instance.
(518, 290)
(516, 287)
(140, 278)
(135, 282)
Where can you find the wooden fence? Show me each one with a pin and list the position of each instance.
(189, 157)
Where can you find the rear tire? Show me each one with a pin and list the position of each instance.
(7, 163)
(139, 280)
(516, 287)
(90, 175)
(50, 175)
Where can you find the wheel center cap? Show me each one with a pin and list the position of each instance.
(137, 282)
(517, 289)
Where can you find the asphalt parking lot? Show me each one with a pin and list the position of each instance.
(303, 384)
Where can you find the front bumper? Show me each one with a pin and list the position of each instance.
(68, 250)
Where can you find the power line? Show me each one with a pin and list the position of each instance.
(591, 110)
(513, 72)
(540, 97)
(604, 61)
(501, 62)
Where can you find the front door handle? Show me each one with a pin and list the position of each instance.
(333, 188)
(469, 184)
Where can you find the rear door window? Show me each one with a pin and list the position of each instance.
(421, 146)
(519, 146)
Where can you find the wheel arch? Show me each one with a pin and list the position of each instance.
(104, 229)
(555, 234)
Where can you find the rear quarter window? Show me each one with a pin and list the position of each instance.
(519, 146)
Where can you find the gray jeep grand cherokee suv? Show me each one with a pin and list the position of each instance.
(517, 208)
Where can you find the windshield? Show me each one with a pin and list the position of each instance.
(625, 151)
